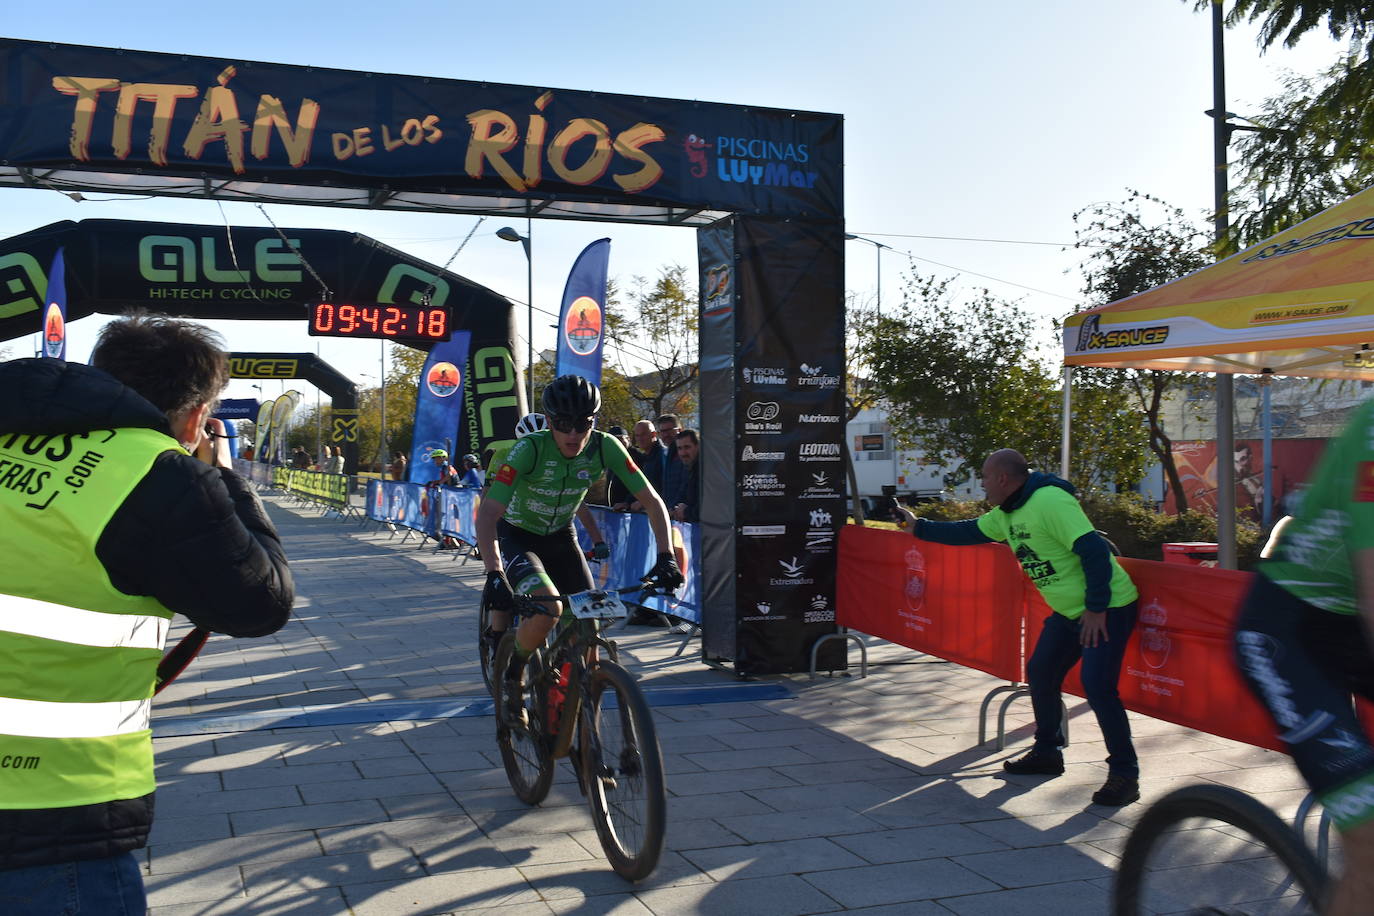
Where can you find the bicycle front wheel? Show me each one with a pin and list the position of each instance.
(1215, 849)
(520, 727)
(485, 651)
(622, 768)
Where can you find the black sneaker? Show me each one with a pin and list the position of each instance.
(1036, 763)
(514, 714)
(1118, 790)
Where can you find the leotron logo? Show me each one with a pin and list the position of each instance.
(819, 451)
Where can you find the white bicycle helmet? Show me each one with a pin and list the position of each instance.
(530, 423)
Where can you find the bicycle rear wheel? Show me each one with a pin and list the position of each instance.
(1211, 848)
(622, 769)
(521, 738)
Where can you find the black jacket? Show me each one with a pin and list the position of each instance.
(194, 537)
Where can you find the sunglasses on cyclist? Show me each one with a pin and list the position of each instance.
(572, 424)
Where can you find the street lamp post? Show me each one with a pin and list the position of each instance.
(381, 441)
(510, 235)
(878, 249)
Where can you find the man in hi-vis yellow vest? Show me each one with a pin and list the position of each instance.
(117, 510)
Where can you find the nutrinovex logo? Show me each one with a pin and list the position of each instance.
(1090, 338)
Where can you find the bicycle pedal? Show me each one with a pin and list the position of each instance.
(609, 783)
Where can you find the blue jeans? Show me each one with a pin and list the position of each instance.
(94, 887)
(1056, 652)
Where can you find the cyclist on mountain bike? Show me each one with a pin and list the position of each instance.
(1303, 643)
(526, 516)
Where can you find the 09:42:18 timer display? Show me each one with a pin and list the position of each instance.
(380, 320)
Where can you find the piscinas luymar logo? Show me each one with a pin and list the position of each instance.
(751, 160)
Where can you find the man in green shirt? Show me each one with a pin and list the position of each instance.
(1094, 604)
(1302, 641)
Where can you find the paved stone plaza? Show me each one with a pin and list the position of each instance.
(866, 796)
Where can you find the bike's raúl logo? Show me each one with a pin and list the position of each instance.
(582, 327)
(443, 379)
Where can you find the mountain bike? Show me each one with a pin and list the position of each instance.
(578, 702)
(485, 650)
(1178, 858)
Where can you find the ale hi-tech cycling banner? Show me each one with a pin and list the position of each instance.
(142, 118)
(204, 272)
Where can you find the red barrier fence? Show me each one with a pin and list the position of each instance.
(968, 605)
(963, 604)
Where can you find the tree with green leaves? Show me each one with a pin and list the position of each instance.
(1135, 245)
(961, 379)
(1312, 145)
(657, 327)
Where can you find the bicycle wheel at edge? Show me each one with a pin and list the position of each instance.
(625, 788)
(1214, 803)
(524, 748)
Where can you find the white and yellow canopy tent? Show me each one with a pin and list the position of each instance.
(1300, 303)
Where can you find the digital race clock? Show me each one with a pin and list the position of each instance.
(419, 323)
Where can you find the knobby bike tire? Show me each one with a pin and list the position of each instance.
(483, 650)
(524, 748)
(1217, 803)
(625, 788)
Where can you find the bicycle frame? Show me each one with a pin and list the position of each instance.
(573, 642)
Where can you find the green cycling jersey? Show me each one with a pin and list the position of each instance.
(1334, 520)
(541, 489)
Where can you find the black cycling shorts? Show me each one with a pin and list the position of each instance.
(1304, 664)
(553, 560)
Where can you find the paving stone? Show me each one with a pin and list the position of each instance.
(307, 817)
(1040, 865)
(261, 777)
(911, 843)
(466, 892)
(169, 858)
(785, 895)
(189, 829)
(387, 864)
(790, 825)
(287, 902)
(786, 857)
(899, 883)
(729, 781)
(202, 886)
(384, 787)
(594, 877)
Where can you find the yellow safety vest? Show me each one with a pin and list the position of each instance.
(80, 657)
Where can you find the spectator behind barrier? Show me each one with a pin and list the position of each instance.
(159, 526)
(618, 496)
(686, 503)
(647, 453)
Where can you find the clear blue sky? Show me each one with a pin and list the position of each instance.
(994, 120)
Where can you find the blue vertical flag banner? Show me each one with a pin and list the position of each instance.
(438, 405)
(55, 313)
(582, 320)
